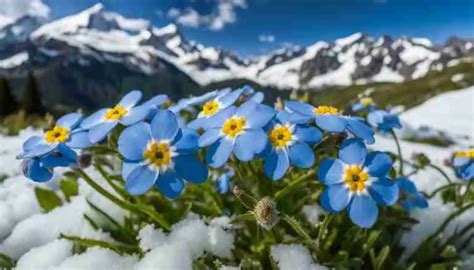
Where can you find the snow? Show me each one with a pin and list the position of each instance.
(422, 41)
(386, 74)
(46, 256)
(366, 60)
(451, 112)
(342, 42)
(294, 257)
(14, 61)
(457, 77)
(413, 53)
(98, 259)
(313, 213)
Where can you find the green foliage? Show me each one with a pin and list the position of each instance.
(31, 101)
(6, 262)
(69, 188)
(14, 123)
(47, 199)
(8, 103)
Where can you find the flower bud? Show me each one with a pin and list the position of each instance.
(266, 213)
(84, 160)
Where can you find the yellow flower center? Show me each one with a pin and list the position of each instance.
(355, 178)
(366, 101)
(116, 112)
(210, 108)
(280, 136)
(56, 135)
(233, 126)
(158, 154)
(320, 110)
(465, 154)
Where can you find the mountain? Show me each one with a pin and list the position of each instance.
(89, 58)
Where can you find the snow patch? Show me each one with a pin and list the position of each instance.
(14, 61)
(294, 257)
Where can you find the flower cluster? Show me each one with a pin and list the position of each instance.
(161, 147)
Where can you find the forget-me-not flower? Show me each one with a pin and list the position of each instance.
(222, 101)
(223, 181)
(63, 134)
(237, 130)
(100, 123)
(383, 120)
(410, 197)
(357, 181)
(331, 120)
(160, 154)
(364, 103)
(288, 143)
(463, 162)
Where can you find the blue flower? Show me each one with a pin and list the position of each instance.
(40, 169)
(189, 103)
(160, 154)
(154, 104)
(222, 101)
(463, 163)
(100, 123)
(410, 197)
(248, 93)
(358, 181)
(236, 130)
(383, 120)
(364, 103)
(63, 134)
(289, 143)
(223, 181)
(331, 120)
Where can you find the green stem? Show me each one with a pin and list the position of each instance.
(86, 242)
(466, 193)
(441, 172)
(399, 150)
(436, 191)
(107, 178)
(124, 204)
(292, 186)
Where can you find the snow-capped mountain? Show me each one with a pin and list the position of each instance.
(100, 41)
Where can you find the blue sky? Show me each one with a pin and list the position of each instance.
(251, 27)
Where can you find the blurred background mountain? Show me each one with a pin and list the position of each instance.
(89, 59)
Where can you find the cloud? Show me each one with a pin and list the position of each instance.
(10, 10)
(266, 38)
(222, 14)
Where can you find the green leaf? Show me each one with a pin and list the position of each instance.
(449, 252)
(69, 188)
(47, 199)
(86, 242)
(6, 262)
(381, 257)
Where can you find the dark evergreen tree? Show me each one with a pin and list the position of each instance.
(31, 101)
(8, 104)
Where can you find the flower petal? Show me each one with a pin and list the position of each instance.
(39, 150)
(79, 140)
(407, 186)
(197, 123)
(32, 169)
(360, 130)
(331, 123)
(32, 142)
(363, 210)
(190, 168)
(336, 197)
(100, 131)
(131, 99)
(376, 117)
(219, 152)
(188, 142)
(384, 191)
(299, 107)
(164, 125)
(170, 185)
(301, 155)
(276, 164)
(229, 98)
(246, 109)
(260, 116)
(209, 137)
(331, 171)
(135, 115)
(378, 163)
(218, 119)
(94, 119)
(140, 180)
(307, 134)
(133, 141)
(128, 167)
(353, 151)
(70, 121)
(249, 143)
(156, 101)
